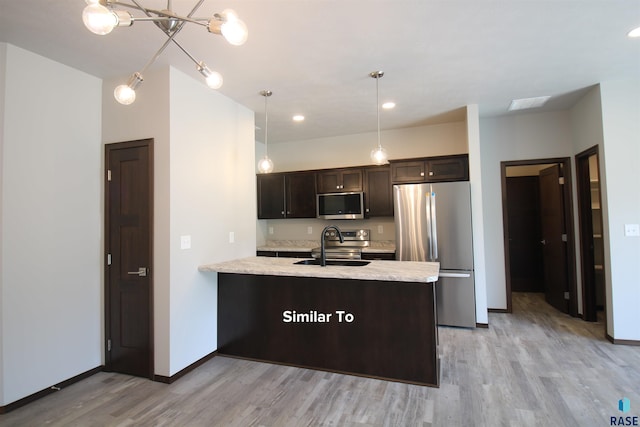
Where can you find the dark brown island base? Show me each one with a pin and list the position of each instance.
(377, 320)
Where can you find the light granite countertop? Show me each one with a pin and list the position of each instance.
(376, 246)
(395, 271)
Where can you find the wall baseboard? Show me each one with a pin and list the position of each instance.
(54, 388)
(622, 342)
(498, 310)
(185, 371)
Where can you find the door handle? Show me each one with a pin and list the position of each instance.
(543, 241)
(142, 272)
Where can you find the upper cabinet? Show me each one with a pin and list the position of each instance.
(430, 169)
(340, 180)
(286, 195)
(378, 197)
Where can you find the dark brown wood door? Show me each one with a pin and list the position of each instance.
(525, 252)
(554, 250)
(412, 171)
(129, 207)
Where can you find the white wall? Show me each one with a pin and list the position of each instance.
(204, 188)
(621, 202)
(477, 213)
(149, 117)
(586, 128)
(354, 150)
(51, 264)
(212, 195)
(517, 137)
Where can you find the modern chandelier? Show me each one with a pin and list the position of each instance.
(265, 165)
(102, 16)
(378, 154)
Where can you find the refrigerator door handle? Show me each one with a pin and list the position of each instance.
(434, 229)
(428, 218)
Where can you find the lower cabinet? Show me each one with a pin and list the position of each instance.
(383, 256)
(284, 254)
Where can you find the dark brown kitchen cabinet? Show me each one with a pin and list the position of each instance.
(286, 195)
(431, 169)
(339, 180)
(378, 196)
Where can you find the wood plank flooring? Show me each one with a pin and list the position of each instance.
(535, 367)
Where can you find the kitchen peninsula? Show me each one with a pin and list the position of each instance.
(376, 320)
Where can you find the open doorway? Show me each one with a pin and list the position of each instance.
(591, 243)
(538, 231)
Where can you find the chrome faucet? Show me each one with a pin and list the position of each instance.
(323, 253)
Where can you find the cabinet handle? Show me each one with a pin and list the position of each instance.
(282, 213)
(421, 173)
(431, 173)
(288, 212)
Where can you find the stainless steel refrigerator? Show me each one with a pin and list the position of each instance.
(433, 223)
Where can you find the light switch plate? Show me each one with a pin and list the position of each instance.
(270, 230)
(185, 242)
(380, 229)
(232, 237)
(309, 230)
(632, 230)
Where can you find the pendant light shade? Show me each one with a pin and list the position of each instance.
(378, 155)
(265, 165)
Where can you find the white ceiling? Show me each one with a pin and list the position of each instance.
(316, 55)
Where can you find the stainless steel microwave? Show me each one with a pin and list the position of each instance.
(340, 205)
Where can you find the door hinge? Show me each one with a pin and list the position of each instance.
(108, 259)
(566, 295)
(108, 345)
(561, 180)
(108, 174)
(564, 237)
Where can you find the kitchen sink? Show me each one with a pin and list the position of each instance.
(341, 262)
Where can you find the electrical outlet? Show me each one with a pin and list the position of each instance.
(380, 229)
(632, 230)
(270, 230)
(309, 230)
(232, 237)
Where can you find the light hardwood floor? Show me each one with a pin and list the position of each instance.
(535, 367)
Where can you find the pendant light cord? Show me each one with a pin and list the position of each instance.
(378, 110)
(266, 125)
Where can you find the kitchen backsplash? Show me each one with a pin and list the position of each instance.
(298, 229)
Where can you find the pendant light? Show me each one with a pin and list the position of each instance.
(378, 154)
(265, 165)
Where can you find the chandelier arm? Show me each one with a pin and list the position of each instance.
(164, 46)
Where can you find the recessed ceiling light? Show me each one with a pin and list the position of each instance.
(298, 118)
(388, 105)
(526, 103)
(634, 33)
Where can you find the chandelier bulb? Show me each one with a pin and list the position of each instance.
(126, 94)
(98, 19)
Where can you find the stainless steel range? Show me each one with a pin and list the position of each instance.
(354, 241)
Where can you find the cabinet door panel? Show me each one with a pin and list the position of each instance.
(270, 196)
(449, 169)
(352, 180)
(329, 182)
(408, 172)
(378, 192)
(301, 195)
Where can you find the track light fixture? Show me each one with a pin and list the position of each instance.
(101, 17)
(378, 154)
